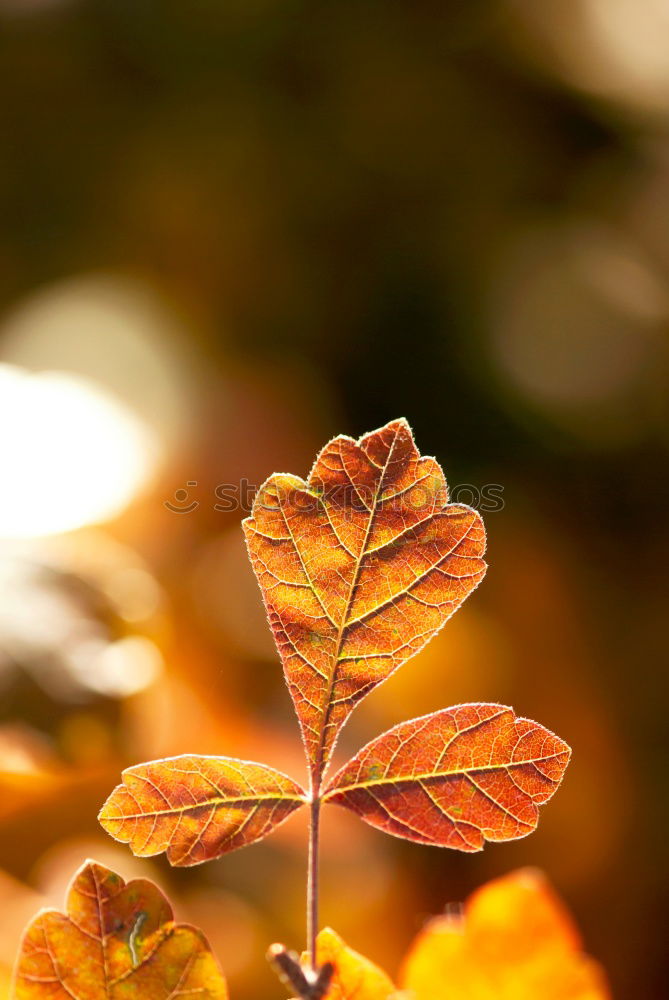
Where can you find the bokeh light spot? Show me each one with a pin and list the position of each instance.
(71, 454)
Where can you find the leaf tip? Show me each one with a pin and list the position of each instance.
(89, 867)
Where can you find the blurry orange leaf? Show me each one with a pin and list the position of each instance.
(514, 942)
(455, 778)
(359, 567)
(355, 977)
(197, 808)
(117, 941)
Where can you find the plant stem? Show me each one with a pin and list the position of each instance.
(312, 877)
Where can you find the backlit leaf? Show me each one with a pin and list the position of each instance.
(197, 808)
(355, 977)
(455, 778)
(515, 941)
(359, 566)
(117, 941)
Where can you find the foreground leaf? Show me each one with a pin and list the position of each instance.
(514, 942)
(355, 977)
(117, 941)
(455, 778)
(359, 566)
(197, 808)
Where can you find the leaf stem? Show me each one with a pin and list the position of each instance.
(312, 876)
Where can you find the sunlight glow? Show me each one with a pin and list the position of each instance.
(70, 453)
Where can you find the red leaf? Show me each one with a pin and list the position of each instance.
(116, 942)
(455, 778)
(359, 567)
(197, 808)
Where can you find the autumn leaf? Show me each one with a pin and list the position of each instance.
(117, 941)
(515, 941)
(359, 567)
(355, 977)
(456, 778)
(197, 808)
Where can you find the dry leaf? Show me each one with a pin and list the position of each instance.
(197, 808)
(455, 778)
(514, 942)
(117, 941)
(359, 567)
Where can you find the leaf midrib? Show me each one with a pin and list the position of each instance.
(207, 804)
(321, 760)
(457, 772)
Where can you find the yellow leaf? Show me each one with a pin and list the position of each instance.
(117, 941)
(355, 977)
(515, 941)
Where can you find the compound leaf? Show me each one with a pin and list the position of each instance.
(514, 939)
(197, 808)
(456, 778)
(359, 567)
(117, 941)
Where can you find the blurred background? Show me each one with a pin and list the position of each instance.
(233, 229)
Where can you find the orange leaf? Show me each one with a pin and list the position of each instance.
(354, 976)
(117, 941)
(455, 778)
(197, 808)
(359, 566)
(515, 942)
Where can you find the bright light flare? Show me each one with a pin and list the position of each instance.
(616, 49)
(70, 453)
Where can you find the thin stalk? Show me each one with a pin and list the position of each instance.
(312, 877)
